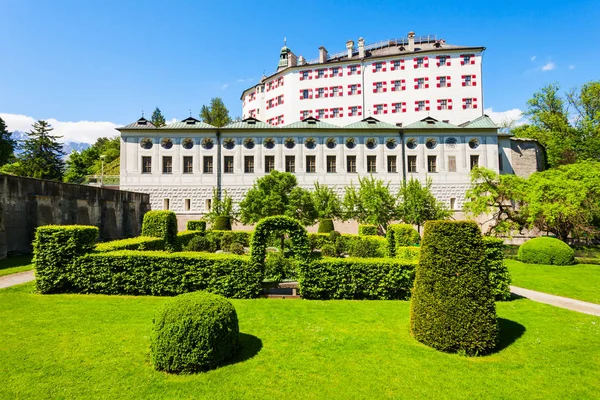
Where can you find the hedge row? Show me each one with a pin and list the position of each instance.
(355, 245)
(162, 224)
(498, 272)
(196, 225)
(401, 235)
(367, 230)
(356, 278)
(136, 243)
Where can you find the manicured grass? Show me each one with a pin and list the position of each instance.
(92, 346)
(15, 264)
(580, 281)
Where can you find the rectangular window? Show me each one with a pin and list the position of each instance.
(398, 107)
(269, 163)
(208, 165)
(320, 114)
(331, 167)
(167, 165)
(451, 163)
(443, 104)
(372, 164)
(379, 109)
(188, 204)
(431, 163)
(188, 164)
(228, 164)
(353, 111)
(336, 112)
(468, 103)
(335, 91)
(443, 81)
(353, 70)
(391, 164)
(305, 94)
(421, 105)
(378, 67)
(452, 203)
(208, 205)
(290, 164)
(166, 204)
(311, 164)
(397, 86)
(320, 92)
(249, 164)
(420, 83)
(467, 80)
(442, 61)
(335, 71)
(305, 114)
(351, 164)
(320, 73)
(412, 164)
(379, 87)
(353, 89)
(397, 64)
(420, 62)
(466, 59)
(146, 165)
(305, 74)
(474, 161)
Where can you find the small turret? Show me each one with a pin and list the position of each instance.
(286, 58)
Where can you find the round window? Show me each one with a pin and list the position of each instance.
(269, 143)
(166, 143)
(146, 143)
(411, 143)
(249, 143)
(187, 143)
(431, 143)
(350, 143)
(330, 143)
(473, 143)
(371, 143)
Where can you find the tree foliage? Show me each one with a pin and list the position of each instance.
(88, 162)
(216, 114)
(42, 154)
(158, 119)
(7, 144)
(326, 202)
(370, 203)
(417, 204)
(222, 206)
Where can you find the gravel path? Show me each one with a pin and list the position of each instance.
(558, 301)
(16, 279)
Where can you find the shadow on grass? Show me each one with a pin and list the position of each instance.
(250, 346)
(509, 332)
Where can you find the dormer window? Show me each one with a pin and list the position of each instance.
(190, 122)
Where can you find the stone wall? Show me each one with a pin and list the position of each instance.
(527, 157)
(27, 203)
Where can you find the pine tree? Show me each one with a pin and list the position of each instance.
(216, 114)
(7, 144)
(157, 118)
(42, 153)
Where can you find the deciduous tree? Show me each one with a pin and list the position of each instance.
(216, 114)
(370, 203)
(417, 204)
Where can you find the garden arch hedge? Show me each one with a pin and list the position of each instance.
(268, 225)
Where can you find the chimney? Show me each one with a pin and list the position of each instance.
(361, 48)
(292, 59)
(350, 47)
(301, 60)
(322, 55)
(411, 41)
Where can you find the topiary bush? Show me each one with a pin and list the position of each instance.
(325, 225)
(452, 307)
(499, 275)
(408, 252)
(363, 248)
(231, 239)
(546, 250)
(367, 230)
(136, 243)
(196, 225)
(162, 224)
(194, 332)
(184, 237)
(221, 223)
(401, 235)
(201, 243)
(56, 249)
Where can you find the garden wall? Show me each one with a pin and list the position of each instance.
(27, 203)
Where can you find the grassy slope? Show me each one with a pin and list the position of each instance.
(15, 264)
(580, 281)
(75, 346)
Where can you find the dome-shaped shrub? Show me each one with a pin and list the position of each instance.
(194, 332)
(546, 250)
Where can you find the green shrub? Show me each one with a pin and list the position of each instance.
(408, 253)
(325, 225)
(279, 268)
(194, 332)
(201, 243)
(137, 243)
(160, 273)
(329, 250)
(499, 275)
(162, 224)
(183, 238)
(236, 248)
(546, 250)
(364, 246)
(196, 225)
(588, 260)
(452, 306)
(318, 240)
(231, 238)
(55, 252)
(355, 278)
(401, 235)
(367, 230)
(279, 223)
(221, 223)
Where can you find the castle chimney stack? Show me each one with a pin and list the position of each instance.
(361, 48)
(411, 41)
(322, 55)
(350, 47)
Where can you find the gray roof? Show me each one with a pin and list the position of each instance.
(310, 123)
(249, 123)
(371, 123)
(482, 122)
(185, 125)
(430, 123)
(141, 123)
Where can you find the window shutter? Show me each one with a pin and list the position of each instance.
(438, 60)
(384, 66)
(464, 83)
(301, 76)
(416, 106)
(384, 86)
(474, 82)
(415, 60)
(359, 111)
(449, 104)
(349, 90)
(392, 67)
(473, 59)
(340, 91)
(439, 106)
(358, 70)
(374, 87)
(393, 85)
(427, 105)
(474, 102)
(359, 91)
(438, 84)
(331, 72)
(385, 108)
(402, 64)
(403, 84)
(374, 67)
(416, 83)
(448, 84)
(448, 61)
(310, 94)
(393, 108)
(426, 62)
(464, 103)
(426, 83)
(341, 111)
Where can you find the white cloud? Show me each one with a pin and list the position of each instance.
(225, 86)
(571, 67)
(79, 131)
(506, 118)
(533, 58)
(171, 121)
(549, 67)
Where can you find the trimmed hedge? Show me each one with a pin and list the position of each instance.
(408, 253)
(162, 224)
(316, 241)
(325, 225)
(499, 275)
(364, 246)
(367, 230)
(160, 273)
(401, 235)
(196, 225)
(194, 332)
(56, 249)
(136, 243)
(546, 250)
(356, 278)
(452, 307)
(184, 237)
(221, 223)
(279, 223)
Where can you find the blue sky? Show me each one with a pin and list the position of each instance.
(105, 61)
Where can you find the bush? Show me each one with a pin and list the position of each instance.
(408, 253)
(355, 278)
(367, 230)
(162, 224)
(279, 223)
(183, 238)
(588, 260)
(196, 225)
(55, 252)
(499, 275)
(236, 248)
(160, 273)
(325, 225)
(279, 268)
(318, 240)
(546, 250)
(232, 238)
(452, 306)
(401, 235)
(194, 332)
(329, 250)
(201, 243)
(364, 246)
(137, 243)
(221, 223)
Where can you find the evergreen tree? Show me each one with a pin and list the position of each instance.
(157, 118)
(7, 144)
(216, 114)
(42, 153)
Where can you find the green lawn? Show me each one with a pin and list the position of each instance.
(15, 264)
(92, 346)
(580, 281)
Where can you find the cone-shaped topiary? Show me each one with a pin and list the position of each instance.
(546, 250)
(452, 306)
(194, 332)
(325, 225)
(222, 223)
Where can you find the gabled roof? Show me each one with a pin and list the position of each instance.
(370, 123)
(248, 123)
(430, 123)
(482, 122)
(141, 123)
(310, 123)
(188, 123)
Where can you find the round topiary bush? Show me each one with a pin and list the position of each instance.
(194, 332)
(452, 307)
(546, 250)
(325, 225)
(222, 223)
